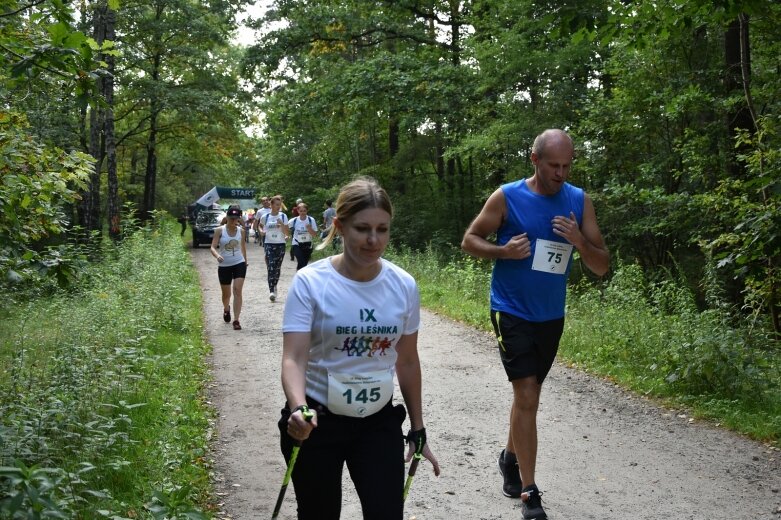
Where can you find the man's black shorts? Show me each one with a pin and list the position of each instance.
(227, 274)
(527, 348)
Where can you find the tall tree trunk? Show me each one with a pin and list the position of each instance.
(90, 207)
(150, 178)
(440, 151)
(738, 64)
(393, 150)
(112, 181)
(155, 108)
(393, 137)
(454, 120)
(82, 208)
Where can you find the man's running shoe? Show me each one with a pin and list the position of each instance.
(227, 316)
(236, 325)
(508, 467)
(532, 504)
(272, 296)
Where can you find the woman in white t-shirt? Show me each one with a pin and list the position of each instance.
(303, 229)
(350, 325)
(274, 228)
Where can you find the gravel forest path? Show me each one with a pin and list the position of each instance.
(604, 453)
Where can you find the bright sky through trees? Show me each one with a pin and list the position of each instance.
(246, 36)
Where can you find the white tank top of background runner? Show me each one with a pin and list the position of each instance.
(273, 226)
(230, 247)
(354, 328)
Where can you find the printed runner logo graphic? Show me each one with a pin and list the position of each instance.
(358, 346)
(374, 340)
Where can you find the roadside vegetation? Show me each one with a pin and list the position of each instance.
(648, 336)
(102, 412)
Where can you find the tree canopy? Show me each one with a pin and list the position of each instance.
(673, 105)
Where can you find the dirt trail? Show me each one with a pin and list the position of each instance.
(604, 454)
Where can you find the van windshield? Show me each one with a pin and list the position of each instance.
(209, 218)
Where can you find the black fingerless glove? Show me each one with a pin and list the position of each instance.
(419, 438)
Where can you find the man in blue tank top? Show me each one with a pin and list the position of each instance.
(538, 223)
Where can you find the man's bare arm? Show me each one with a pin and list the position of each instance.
(594, 251)
(475, 241)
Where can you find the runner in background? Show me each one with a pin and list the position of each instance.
(274, 227)
(249, 223)
(303, 229)
(294, 214)
(328, 218)
(264, 210)
(183, 221)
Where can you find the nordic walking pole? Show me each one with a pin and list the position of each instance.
(413, 467)
(419, 438)
(308, 414)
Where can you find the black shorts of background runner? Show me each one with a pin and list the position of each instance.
(229, 273)
(364, 444)
(302, 252)
(527, 348)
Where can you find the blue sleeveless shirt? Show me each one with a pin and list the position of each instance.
(516, 288)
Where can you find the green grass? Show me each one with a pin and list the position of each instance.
(101, 391)
(647, 337)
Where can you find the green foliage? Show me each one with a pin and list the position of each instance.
(651, 337)
(640, 86)
(673, 181)
(46, 50)
(174, 505)
(100, 391)
(349, 78)
(184, 109)
(29, 492)
(37, 183)
(751, 250)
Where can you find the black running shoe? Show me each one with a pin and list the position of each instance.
(532, 504)
(508, 467)
(226, 315)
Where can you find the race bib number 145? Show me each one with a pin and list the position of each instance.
(361, 395)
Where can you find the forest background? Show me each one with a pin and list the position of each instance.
(117, 112)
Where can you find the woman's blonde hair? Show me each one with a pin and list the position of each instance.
(360, 194)
(281, 201)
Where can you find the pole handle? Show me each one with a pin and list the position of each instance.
(308, 416)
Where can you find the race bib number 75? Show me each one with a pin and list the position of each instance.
(551, 257)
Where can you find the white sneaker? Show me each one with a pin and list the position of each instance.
(272, 296)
